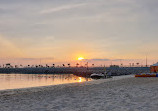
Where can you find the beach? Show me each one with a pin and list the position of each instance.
(124, 93)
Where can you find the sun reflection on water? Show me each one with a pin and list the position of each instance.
(13, 81)
(80, 79)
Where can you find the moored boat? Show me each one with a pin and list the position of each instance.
(97, 76)
(101, 75)
(147, 75)
(153, 72)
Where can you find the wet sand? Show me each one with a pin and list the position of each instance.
(118, 94)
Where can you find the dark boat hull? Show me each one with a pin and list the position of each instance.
(97, 77)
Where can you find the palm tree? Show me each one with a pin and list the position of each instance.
(47, 65)
(63, 65)
(68, 64)
(16, 66)
(93, 65)
(133, 64)
(8, 65)
(77, 64)
(20, 65)
(137, 63)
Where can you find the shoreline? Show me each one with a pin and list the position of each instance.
(41, 88)
(120, 94)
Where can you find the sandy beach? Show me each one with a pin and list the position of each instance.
(118, 94)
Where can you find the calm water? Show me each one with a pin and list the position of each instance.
(13, 81)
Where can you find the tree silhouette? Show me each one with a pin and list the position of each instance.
(77, 64)
(21, 65)
(137, 63)
(8, 65)
(53, 65)
(47, 65)
(68, 64)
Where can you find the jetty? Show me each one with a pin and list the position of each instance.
(80, 71)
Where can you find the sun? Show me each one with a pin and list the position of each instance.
(80, 58)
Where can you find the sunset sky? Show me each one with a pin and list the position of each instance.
(59, 31)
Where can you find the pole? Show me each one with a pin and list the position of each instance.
(87, 65)
(146, 61)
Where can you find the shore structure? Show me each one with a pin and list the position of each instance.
(153, 72)
(80, 71)
(154, 68)
(122, 93)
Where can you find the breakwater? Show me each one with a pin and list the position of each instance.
(80, 71)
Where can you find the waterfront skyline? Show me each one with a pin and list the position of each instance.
(61, 31)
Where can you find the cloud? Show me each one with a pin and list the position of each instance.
(61, 8)
(102, 60)
(36, 42)
(28, 59)
(115, 60)
(1, 10)
(112, 26)
(96, 60)
(8, 48)
(47, 58)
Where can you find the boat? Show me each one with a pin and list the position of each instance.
(105, 74)
(101, 75)
(153, 72)
(97, 76)
(147, 75)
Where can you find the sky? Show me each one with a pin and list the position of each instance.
(60, 31)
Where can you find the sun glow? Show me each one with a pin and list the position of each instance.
(80, 58)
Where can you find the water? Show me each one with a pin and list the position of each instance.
(14, 81)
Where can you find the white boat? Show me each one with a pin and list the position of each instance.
(97, 76)
(101, 75)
